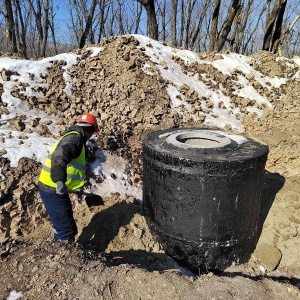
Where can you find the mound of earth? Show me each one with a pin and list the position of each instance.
(116, 256)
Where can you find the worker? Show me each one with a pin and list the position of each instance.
(64, 171)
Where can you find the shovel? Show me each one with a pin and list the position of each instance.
(91, 199)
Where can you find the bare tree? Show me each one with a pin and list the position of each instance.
(45, 28)
(20, 28)
(218, 38)
(138, 18)
(277, 47)
(163, 11)
(273, 26)
(120, 17)
(151, 18)
(190, 7)
(182, 18)
(92, 20)
(40, 10)
(226, 27)
(29, 27)
(128, 14)
(82, 19)
(252, 28)
(104, 8)
(201, 16)
(214, 25)
(278, 27)
(174, 22)
(240, 23)
(10, 26)
(52, 27)
(88, 24)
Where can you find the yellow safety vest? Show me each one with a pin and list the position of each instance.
(75, 169)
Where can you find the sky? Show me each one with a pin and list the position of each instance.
(36, 147)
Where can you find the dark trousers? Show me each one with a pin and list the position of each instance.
(61, 216)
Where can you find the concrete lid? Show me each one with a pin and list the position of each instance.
(202, 139)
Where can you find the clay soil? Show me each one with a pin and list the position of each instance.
(115, 255)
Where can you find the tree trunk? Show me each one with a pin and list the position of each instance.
(188, 21)
(52, 26)
(120, 18)
(271, 18)
(278, 28)
(163, 16)
(138, 18)
(102, 19)
(277, 47)
(183, 17)
(235, 6)
(151, 18)
(173, 23)
(37, 15)
(10, 26)
(45, 28)
(214, 25)
(88, 25)
(246, 43)
(20, 32)
(241, 21)
(41, 16)
(199, 24)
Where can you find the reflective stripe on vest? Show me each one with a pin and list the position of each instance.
(75, 169)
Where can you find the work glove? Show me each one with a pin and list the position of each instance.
(61, 189)
(79, 192)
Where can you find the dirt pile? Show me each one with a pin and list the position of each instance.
(121, 259)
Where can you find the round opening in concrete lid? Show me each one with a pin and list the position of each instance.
(199, 139)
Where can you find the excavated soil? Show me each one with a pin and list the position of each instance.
(116, 256)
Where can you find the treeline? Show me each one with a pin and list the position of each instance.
(40, 28)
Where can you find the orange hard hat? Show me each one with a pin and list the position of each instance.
(89, 119)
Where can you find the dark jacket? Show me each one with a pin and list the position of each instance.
(68, 148)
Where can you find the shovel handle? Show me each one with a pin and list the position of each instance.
(85, 192)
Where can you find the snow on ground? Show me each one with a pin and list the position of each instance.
(36, 147)
(171, 71)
